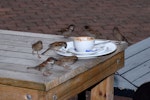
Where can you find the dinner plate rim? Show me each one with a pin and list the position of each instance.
(108, 45)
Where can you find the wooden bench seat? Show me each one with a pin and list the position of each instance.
(137, 66)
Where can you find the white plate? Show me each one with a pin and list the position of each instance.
(94, 50)
(103, 47)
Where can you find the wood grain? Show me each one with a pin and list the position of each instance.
(104, 90)
(17, 93)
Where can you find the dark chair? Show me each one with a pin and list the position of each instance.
(143, 92)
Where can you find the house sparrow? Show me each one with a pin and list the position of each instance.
(67, 31)
(65, 61)
(56, 46)
(39, 67)
(92, 33)
(37, 47)
(119, 36)
(42, 65)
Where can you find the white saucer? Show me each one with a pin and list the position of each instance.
(102, 47)
(89, 52)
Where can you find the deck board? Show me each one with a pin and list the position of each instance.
(132, 75)
(136, 70)
(135, 61)
(137, 48)
(142, 79)
(122, 83)
(136, 54)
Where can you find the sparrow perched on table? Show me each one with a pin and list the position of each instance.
(92, 33)
(37, 47)
(119, 36)
(56, 46)
(41, 65)
(65, 61)
(67, 31)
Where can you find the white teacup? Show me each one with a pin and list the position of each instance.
(83, 44)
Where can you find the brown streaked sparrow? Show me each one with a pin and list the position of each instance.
(119, 36)
(92, 33)
(65, 61)
(67, 31)
(56, 46)
(37, 47)
(41, 65)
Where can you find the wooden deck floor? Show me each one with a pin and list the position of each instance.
(137, 66)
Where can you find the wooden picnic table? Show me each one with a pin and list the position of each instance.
(19, 83)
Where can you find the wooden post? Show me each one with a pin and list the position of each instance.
(104, 90)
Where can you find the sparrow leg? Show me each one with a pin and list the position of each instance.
(52, 66)
(47, 73)
(66, 67)
(32, 52)
(38, 55)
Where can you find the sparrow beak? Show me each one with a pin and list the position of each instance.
(65, 46)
